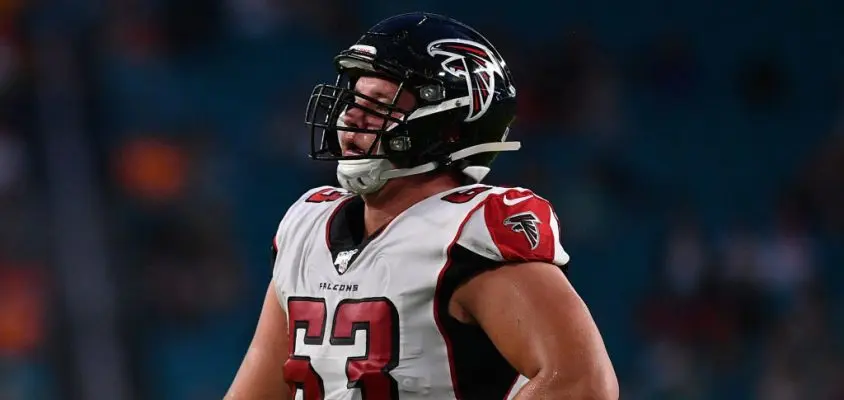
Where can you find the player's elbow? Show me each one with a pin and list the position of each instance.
(598, 387)
(595, 385)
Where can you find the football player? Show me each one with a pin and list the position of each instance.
(414, 280)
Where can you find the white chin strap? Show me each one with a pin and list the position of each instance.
(369, 175)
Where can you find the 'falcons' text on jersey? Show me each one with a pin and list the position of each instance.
(368, 316)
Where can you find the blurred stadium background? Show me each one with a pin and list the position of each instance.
(694, 151)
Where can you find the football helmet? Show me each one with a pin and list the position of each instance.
(465, 102)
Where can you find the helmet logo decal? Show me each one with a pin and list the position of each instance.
(476, 64)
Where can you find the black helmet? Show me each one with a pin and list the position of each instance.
(465, 98)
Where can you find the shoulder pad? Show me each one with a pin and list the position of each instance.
(514, 225)
(323, 195)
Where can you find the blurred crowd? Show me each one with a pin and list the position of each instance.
(699, 176)
(25, 286)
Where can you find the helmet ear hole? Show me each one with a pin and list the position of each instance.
(451, 134)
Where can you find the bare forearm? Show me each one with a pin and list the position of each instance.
(259, 377)
(261, 374)
(550, 386)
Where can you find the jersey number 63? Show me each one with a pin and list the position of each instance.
(370, 372)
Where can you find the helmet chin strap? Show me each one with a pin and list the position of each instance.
(362, 176)
(370, 175)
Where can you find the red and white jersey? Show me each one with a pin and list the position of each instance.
(368, 317)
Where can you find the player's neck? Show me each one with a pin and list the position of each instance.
(399, 195)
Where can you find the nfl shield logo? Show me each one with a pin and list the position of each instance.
(342, 260)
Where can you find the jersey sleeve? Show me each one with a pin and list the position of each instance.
(514, 226)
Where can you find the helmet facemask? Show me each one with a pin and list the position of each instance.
(327, 106)
(329, 103)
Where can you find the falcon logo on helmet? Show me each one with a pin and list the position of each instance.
(525, 223)
(476, 64)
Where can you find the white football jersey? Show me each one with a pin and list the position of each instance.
(368, 317)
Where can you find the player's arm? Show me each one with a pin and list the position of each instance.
(521, 298)
(260, 375)
(542, 327)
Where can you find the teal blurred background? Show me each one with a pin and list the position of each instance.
(694, 151)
